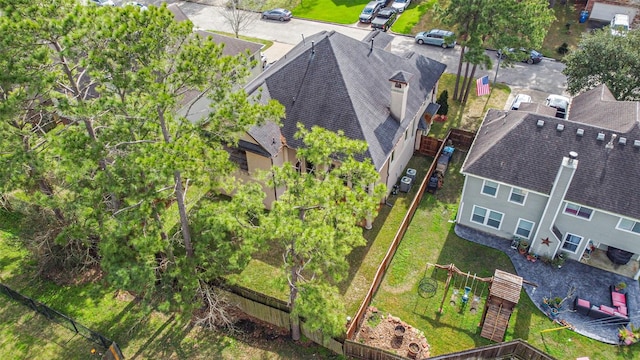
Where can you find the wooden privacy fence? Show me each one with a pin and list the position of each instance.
(362, 351)
(506, 350)
(276, 312)
(382, 268)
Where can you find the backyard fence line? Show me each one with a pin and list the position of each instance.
(61, 319)
(382, 268)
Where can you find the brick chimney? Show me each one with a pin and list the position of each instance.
(399, 93)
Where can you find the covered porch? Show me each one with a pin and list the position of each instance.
(598, 258)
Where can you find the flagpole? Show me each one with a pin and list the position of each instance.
(497, 68)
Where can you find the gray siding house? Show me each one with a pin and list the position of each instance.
(563, 185)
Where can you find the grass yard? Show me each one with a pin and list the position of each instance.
(470, 117)
(430, 239)
(142, 333)
(406, 22)
(335, 11)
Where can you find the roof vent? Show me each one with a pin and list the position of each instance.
(600, 136)
(573, 155)
(560, 127)
(622, 141)
(636, 143)
(540, 123)
(580, 132)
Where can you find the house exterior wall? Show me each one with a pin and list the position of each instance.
(601, 229)
(512, 212)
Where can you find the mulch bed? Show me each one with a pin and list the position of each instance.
(381, 331)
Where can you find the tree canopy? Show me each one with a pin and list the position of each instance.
(603, 58)
(92, 131)
(316, 222)
(496, 24)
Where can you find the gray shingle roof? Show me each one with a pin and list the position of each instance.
(339, 83)
(598, 107)
(511, 148)
(232, 46)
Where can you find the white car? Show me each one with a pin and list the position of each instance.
(140, 6)
(560, 103)
(619, 24)
(520, 98)
(103, 2)
(400, 5)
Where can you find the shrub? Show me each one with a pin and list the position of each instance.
(563, 49)
(442, 100)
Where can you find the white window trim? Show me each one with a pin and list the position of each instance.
(625, 230)
(525, 194)
(564, 211)
(482, 189)
(564, 240)
(486, 218)
(533, 226)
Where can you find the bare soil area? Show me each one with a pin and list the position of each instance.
(392, 334)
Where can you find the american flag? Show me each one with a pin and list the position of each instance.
(482, 86)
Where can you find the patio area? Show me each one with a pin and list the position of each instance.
(590, 283)
(598, 258)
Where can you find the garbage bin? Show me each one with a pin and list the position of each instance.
(584, 15)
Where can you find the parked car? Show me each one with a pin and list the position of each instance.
(524, 55)
(520, 98)
(384, 19)
(437, 37)
(103, 2)
(370, 11)
(401, 5)
(140, 6)
(277, 14)
(560, 103)
(619, 24)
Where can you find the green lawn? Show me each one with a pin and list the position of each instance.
(335, 11)
(410, 17)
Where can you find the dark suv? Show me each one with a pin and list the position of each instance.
(528, 56)
(370, 11)
(385, 19)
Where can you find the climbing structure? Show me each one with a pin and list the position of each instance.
(504, 294)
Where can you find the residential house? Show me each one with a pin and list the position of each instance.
(562, 185)
(604, 10)
(339, 83)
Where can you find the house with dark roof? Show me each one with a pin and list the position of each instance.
(340, 83)
(563, 186)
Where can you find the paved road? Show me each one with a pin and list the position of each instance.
(537, 80)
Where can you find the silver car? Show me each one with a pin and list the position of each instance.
(277, 14)
(401, 5)
(437, 37)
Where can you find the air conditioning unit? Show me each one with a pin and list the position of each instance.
(411, 173)
(405, 184)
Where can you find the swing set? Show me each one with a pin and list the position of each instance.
(469, 291)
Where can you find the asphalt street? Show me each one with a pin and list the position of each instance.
(536, 80)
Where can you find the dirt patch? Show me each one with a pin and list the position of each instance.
(63, 277)
(392, 334)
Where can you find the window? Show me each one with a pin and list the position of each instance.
(517, 196)
(571, 242)
(239, 157)
(629, 225)
(486, 217)
(579, 211)
(310, 167)
(406, 133)
(524, 228)
(490, 188)
(393, 154)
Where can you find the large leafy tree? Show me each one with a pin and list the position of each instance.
(316, 222)
(122, 162)
(603, 58)
(498, 24)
